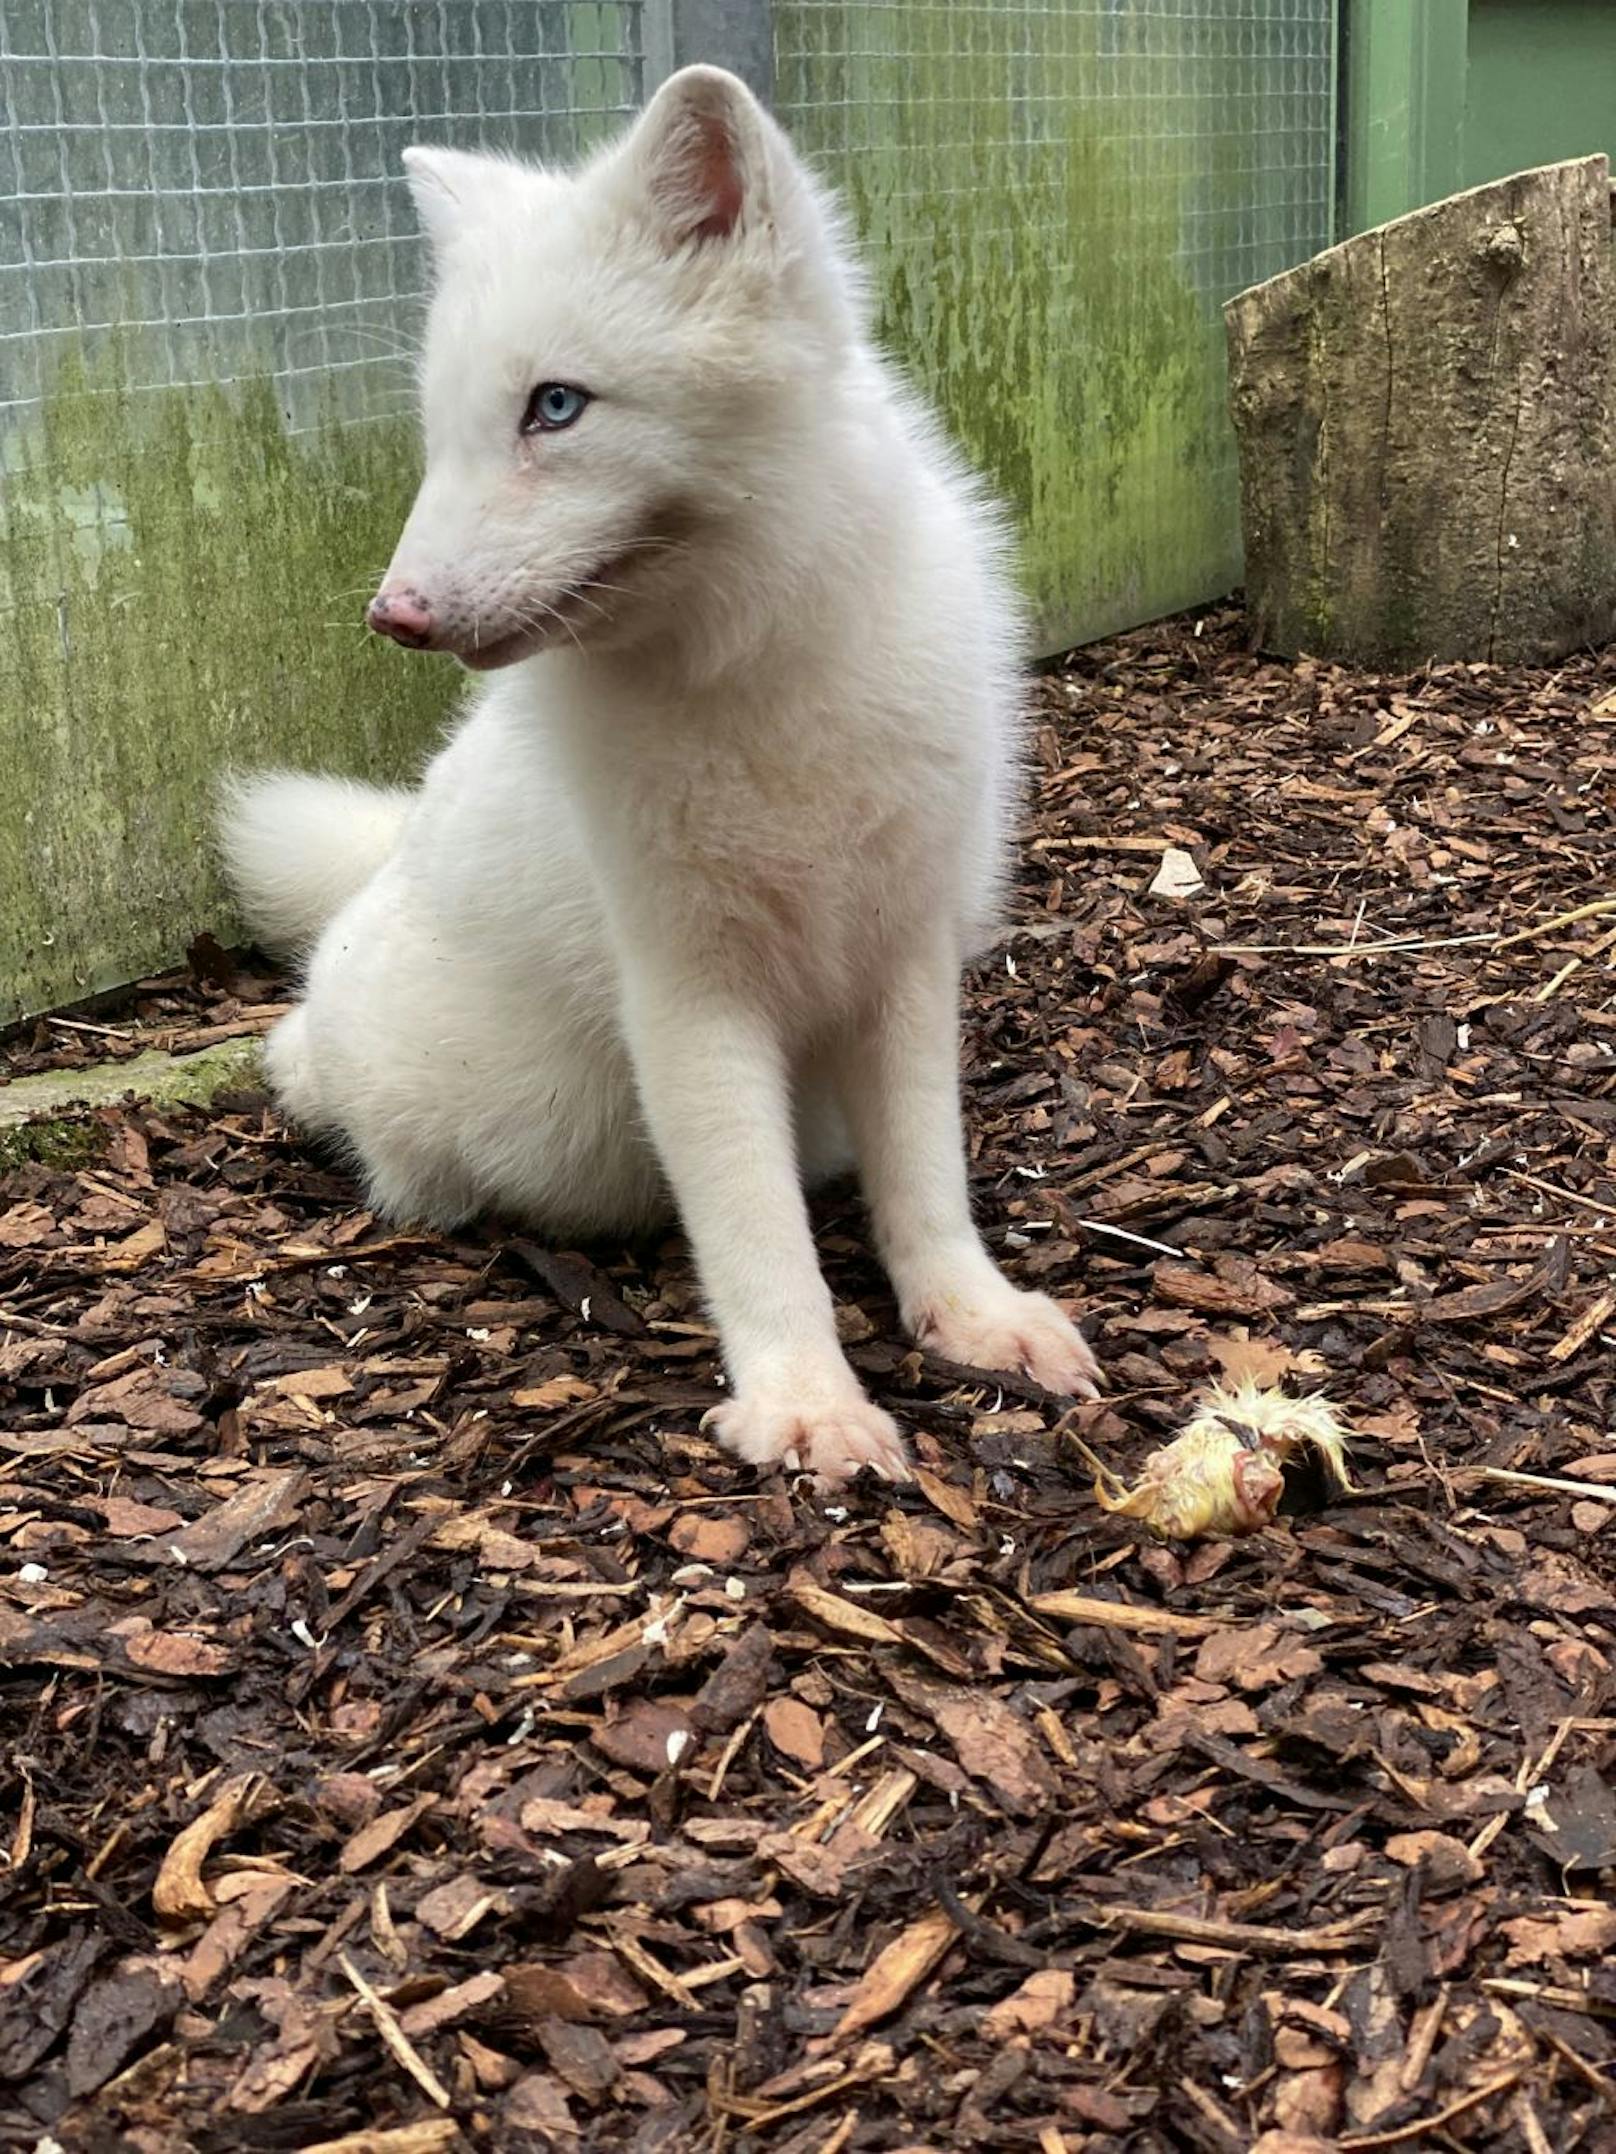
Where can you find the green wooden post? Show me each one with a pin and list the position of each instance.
(1406, 64)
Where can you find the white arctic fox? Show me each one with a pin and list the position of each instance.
(682, 906)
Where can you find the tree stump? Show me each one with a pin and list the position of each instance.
(1425, 423)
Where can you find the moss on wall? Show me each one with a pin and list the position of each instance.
(182, 587)
(1034, 200)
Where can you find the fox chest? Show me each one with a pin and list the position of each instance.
(799, 912)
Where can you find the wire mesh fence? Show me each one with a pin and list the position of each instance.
(1057, 196)
(215, 183)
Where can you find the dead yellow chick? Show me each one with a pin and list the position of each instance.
(1223, 1475)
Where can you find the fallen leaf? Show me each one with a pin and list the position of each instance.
(916, 1547)
(1397, 1426)
(943, 1496)
(1267, 1362)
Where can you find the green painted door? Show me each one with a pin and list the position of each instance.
(1542, 84)
(1445, 94)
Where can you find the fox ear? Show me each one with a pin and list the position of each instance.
(451, 187)
(701, 157)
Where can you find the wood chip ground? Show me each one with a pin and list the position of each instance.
(418, 1736)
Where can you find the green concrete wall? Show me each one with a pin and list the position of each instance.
(181, 587)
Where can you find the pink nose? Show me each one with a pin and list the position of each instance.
(405, 616)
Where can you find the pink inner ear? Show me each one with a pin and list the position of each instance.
(716, 179)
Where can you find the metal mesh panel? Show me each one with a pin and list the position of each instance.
(217, 181)
(1056, 199)
(208, 277)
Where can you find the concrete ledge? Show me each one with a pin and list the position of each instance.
(42, 1117)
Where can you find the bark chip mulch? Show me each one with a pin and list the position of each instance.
(418, 1736)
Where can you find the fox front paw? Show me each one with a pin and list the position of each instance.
(1027, 1334)
(832, 1440)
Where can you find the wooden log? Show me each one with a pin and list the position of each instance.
(1425, 423)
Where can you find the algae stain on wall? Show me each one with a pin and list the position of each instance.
(1024, 208)
(182, 587)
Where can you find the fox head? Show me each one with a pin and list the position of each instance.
(617, 361)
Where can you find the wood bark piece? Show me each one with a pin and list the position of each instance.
(1424, 416)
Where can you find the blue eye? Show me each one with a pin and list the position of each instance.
(552, 406)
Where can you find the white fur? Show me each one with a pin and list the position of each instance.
(685, 899)
(300, 847)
